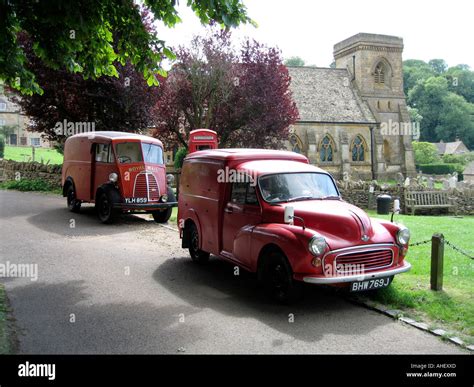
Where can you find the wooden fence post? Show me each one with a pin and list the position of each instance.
(437, 258)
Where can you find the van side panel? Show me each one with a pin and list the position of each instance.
(77, 165)
(199, 193)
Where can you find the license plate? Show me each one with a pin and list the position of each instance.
(377, 283)
(136, 200)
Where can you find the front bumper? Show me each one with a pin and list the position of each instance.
(145, 206)
(358, 277)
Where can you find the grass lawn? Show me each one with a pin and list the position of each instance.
(24, 153)
(452, 308)
(5, 346)
(172, 221)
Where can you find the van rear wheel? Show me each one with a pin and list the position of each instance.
(105, 209)
(73, 204)
(277, 279)
(196, 253)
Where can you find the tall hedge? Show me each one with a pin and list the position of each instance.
(441, 168)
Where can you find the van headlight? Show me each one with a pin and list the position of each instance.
(113, 177)
(164, 198)
(403, 236)
(317, 245)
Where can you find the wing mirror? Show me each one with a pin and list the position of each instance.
(289, 214)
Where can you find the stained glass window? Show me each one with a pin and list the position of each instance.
(326, 149)
(358, 149)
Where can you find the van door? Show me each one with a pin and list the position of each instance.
(241, 213)
(103, 164)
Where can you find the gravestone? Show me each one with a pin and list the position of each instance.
(400, 178)
(430, 183)
(453, 180)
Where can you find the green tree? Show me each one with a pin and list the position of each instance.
(461, 81)
(295, 61)
(439, 66)
(78, 35)
(427, 97)
(425, 153)
(456, 120)
(414, 71)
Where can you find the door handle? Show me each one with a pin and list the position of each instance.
(229, 210)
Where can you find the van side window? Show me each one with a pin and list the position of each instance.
(239, 191)
(243, 193)
(251, 195)
(103, 153)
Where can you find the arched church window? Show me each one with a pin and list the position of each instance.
(379, 74)
(296, 143)
(326, 149)
(358, 148)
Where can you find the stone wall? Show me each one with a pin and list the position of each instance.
(13, 170)
(358, 193)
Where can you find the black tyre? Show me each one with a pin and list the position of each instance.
(277, 279)
(104, 207)
(196, 253)
(162, 216)
(73, 204)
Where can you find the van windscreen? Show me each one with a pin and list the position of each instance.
(128, 152)
(152, 153)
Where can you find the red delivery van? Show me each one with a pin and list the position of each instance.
(272, 213)
(119, 172)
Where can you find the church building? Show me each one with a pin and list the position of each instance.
(353, 117)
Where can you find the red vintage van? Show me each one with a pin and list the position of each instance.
(119, 172)
(272, 213)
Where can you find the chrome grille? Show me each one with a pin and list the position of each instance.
(370, 259)
(146, 186)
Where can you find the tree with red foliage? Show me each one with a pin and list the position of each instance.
(244, 96)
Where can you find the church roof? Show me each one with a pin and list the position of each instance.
(327, 95)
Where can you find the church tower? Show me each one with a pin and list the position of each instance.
(374, 63)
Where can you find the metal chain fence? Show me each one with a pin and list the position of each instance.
(448, 243)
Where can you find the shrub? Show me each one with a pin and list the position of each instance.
(441, 168)
(28, 185)
(179, 158)
(425, 153)
(463, 159)
(2, 147)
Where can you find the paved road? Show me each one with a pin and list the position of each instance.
(130, 288)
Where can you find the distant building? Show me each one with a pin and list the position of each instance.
(451, 148)
(468, 172)
(13, 125)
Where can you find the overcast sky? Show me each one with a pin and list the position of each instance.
(310, 28)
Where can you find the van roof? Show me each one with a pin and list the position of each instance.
(264, 167)
(247, 155)
(111, 135)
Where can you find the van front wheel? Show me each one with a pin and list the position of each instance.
(277, 278)
(105, 209)
(162, 216)
(196, 253)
